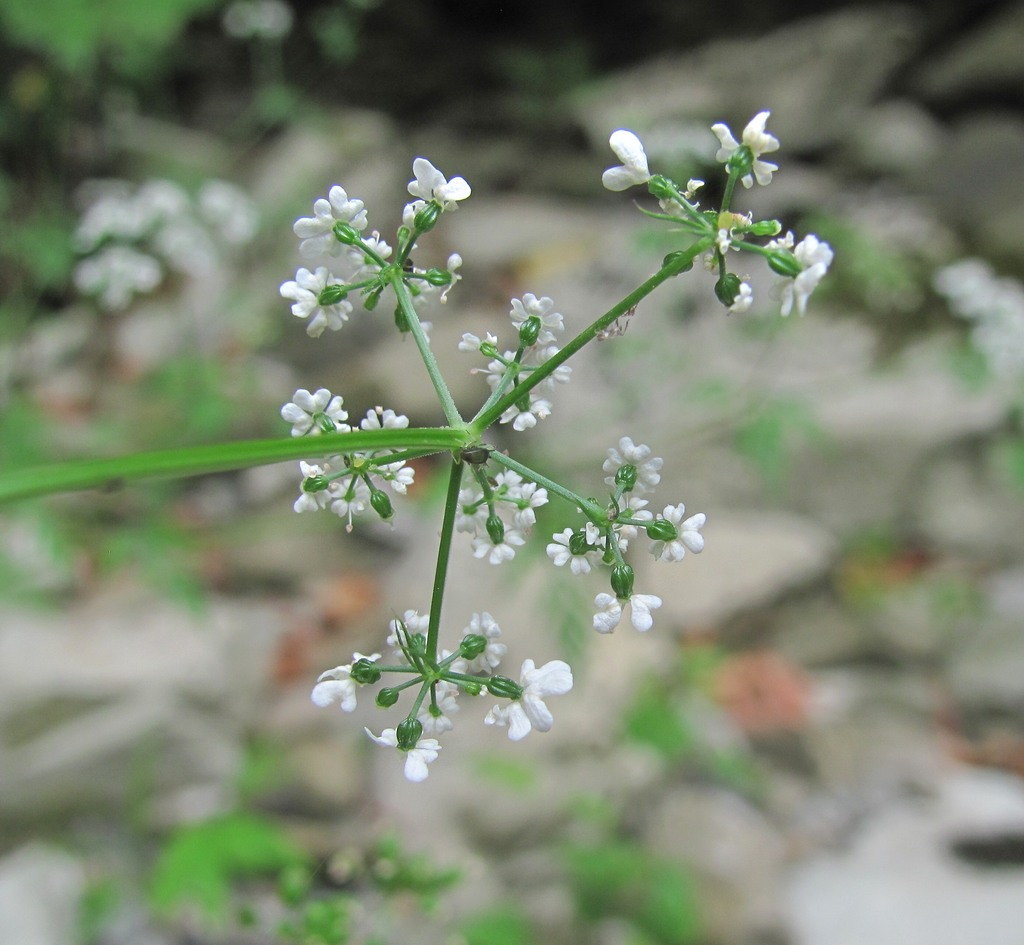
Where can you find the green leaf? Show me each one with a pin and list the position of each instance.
(200, 862)
(501, 926)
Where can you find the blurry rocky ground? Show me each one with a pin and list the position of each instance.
(820, 743)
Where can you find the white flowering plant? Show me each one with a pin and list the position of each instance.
(356, 469)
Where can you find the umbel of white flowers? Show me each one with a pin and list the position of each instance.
(497, 509)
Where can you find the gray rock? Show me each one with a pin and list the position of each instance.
(40, 890)
(899, 882)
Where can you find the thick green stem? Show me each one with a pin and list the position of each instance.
(678, 262)
(444, 395)
(444, 547)
(197, 460)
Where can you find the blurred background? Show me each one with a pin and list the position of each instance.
(820, 743)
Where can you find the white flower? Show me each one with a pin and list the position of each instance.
(744, 299)
(380, 419)
(542, 309)
(337, 685)
(688, 538)
(312, 501)
(560, 553)
(229, 212)
(448, 705)
(485, 625)
(305, 409)
(316, 232)
(630, 150)
(609, 611)
(757, 140)
(116, 274)
(431, 184)
(529, 711)
(814, 257)
(351, 500)
(647, 468)
(416, 759)
(305, 290)
(496, 554)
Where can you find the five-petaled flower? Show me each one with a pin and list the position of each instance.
(757, 140)
(416, 758)
(431, 184)
(814, 257)
(529, 711)
(609, 611)
(337, 685)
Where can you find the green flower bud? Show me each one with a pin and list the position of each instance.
(427, 217)
(387, 697)
(372, 298)
(401, 322)
(403, 235)
(784, 263)
(472, 687)
(727, 288)
(418, 644)
(529, 330)
(765, 228)
(345, 233)
(381, 504)
(672, 257)
(332, 294)
(578, 543)
(661, 187)
(741, 161)
(409, 732)
(472, 645)
(622, 581)
(364, 672)
(488, 349)
(625, 476)
(504, 688)
(438, 276)
(315, 484)
(325, 423)
(495, 529)
(661, 529)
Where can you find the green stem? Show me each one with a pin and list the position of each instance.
(444, 547)
(198, 460)
(592, 510)
(678, 263)
(444, 395)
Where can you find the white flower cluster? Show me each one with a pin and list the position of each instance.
(346, 485)
(995, 307)
(130, 235)
(320, 295)
(442, 683)
(810, 258)
(480, 514)
(584, 548)
(536, 321)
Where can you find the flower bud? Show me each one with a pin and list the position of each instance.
(364, 671)
(438, 276)
(332, 294)
(528, 331)
(372, 298)
(741, 161)
(495, 529)
(765, 228)
(418, 644)
(472, 687)
(387, 697)
(578, 544)
(504, 688)
(426, 218)
(661, 188)
(625, 477)
(661, 529)
(488, 349)
(727, 288)
(381, 504)
(784, 263)
(409, 732)
(324, 423)
(622, 581)
(345, 233)
(672, 257)
(315, 484)
(401, 322)
(472, 645)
